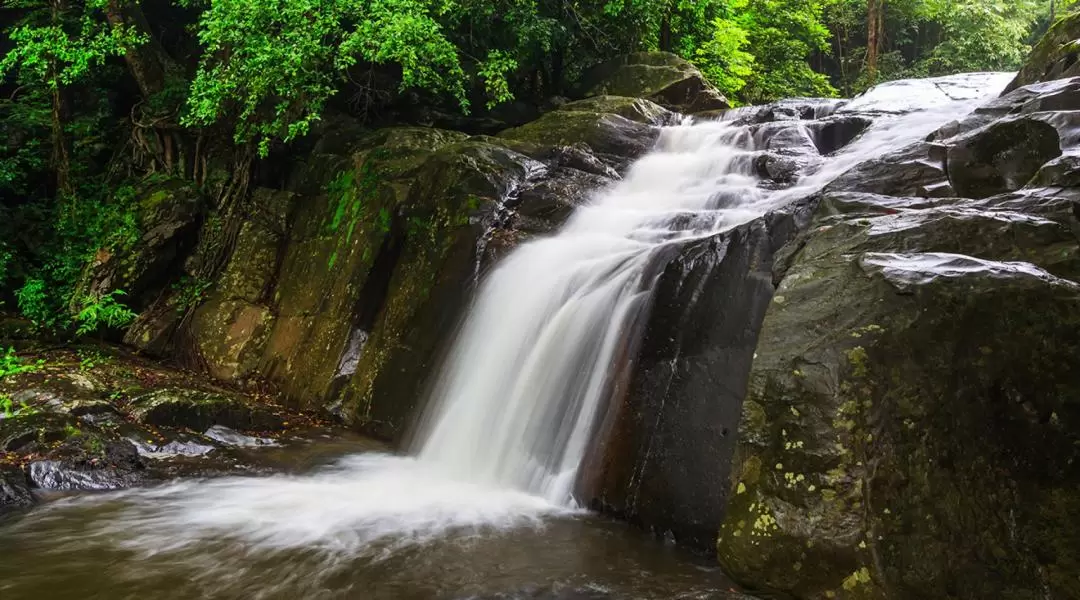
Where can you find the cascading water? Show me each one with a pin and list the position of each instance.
(516, 401)
(511, 412)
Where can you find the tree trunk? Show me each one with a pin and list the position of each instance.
(874, 10)
(61, 151)
(666, 43)
(147, 62)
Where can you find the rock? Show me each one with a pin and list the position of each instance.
(14, 490)
(660, 77)
(25, 431)
(908, 172)
(168, 215)
(635, 109)
(832, 134)
(910, 427)
(1001, 158)
(879, 459)
(461, 196)
(665, 460)
(1054, 57)
(230, 437)
(199, 410)
(616, 139)
(87, 461)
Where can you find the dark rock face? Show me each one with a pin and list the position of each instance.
(199, 410)
(1001, 158)
(14, 490)
(911, 425)
(666, 464)
(660, 77)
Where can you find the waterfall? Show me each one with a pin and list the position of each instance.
(516, 401)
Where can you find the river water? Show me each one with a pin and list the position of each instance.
(483, 506)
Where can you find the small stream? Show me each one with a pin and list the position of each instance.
(395, 530)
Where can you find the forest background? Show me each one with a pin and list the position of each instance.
(97, 96)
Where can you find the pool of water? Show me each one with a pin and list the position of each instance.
(363, 525)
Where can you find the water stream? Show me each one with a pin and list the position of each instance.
(484, 505)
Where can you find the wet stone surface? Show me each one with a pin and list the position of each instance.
(98, 418)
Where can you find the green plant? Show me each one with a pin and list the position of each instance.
(91, 359)
(12, 364)
(103, 310)
(8, 409)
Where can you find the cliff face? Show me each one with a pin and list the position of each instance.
(343, 284)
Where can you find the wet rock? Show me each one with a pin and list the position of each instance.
(14, 489)
(171, 449)
(88, 461)
(876, 456)
(229, 437)
(832, 134)
(1001, 158)
(908, 172)
(665, 458)
(199, 410)
(462, 196)
(781, 169)
(660, 77)
(543, 207)
(910, 425)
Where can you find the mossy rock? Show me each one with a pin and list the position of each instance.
(19, 432)
(1056, 56)
(912, 425)
(198, 410)
(168, 215)
(661, 77)
(635, 109)
(615, 137)
(460, 195)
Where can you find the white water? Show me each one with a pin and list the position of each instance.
(510, 417)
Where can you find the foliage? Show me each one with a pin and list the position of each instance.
(270, 66)
(13, 364)
(237, 75)
(104, 310)
(62, 50)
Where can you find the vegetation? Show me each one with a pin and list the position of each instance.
(96, 95)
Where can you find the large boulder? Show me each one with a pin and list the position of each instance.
(661, 77)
